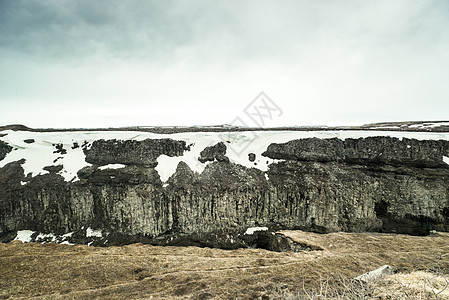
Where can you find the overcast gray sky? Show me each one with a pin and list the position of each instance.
(118, 63)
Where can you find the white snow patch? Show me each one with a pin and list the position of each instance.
(251, 230)
(67, 235)
(24, 236)
(93, 233)
(72, 162)
(385, 127)
(66, 243)
(408, 146)
(40, 154)
(42, 236)
(112, 166)
(23, 182)
(165, 185)
(446, 159)
(166, 165)
(266, 176)
(429, 125)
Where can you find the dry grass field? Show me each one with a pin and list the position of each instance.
(52, 271)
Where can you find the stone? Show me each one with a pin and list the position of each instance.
(4, 149)
(53, 169)
(251, 157)
(364, 151)
(376, 274)
(131, 152)
(214, 153)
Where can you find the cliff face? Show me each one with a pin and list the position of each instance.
(324, 185)
(132, 152)
(4, 149)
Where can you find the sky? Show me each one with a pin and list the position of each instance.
(159, 63)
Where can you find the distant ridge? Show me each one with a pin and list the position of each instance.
(414, 126)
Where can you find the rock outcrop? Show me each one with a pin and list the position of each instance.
(357, 185)
(364, 151)
(4, 149)
(145, 153)
(214, 153)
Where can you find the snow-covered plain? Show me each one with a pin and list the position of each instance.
(429, 125)
(42, 152)
(425, 125)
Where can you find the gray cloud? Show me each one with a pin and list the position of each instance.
(326, 61)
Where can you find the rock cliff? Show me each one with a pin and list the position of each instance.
(324, 185)
(4, 149)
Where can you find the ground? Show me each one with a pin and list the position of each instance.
(52, 271)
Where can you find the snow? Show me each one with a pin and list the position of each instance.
(166, 165)
(251, 230)
(40, 154)
(66, 243)
(446, 159)
(72, 162)
(67, 235)
(429, 125)
(239, 144)
(24, 236)
(424, 125)
(439, 124)
(93, 233)
(42, 236)
(386, 127)
(112, 166)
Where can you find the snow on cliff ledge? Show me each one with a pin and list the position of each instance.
(43, 151)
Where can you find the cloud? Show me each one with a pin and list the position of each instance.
(152, 62)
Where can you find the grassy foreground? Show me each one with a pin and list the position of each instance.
(52, 271)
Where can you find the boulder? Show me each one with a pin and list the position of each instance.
(376, 274)
(4, 149)
(214, 153)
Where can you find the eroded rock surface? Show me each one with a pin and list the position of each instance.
(214, 153)
(356, 185)
(131, 152)
(364, 151)
(4, 149)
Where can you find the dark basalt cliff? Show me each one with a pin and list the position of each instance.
(4, 149)
(133, 152)
(325, 185)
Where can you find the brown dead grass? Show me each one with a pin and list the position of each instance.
(413, 285)
(51, 271)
